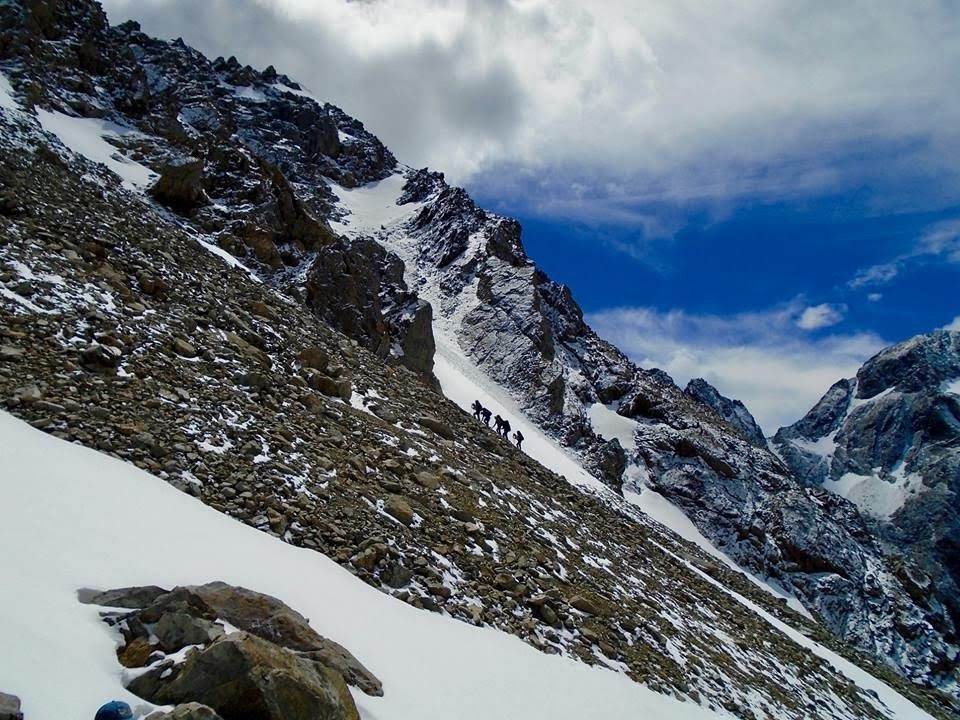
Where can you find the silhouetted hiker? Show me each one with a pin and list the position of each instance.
(498, 424)
(506, 429)
(477, 409)
(518, 436)
(486, 416)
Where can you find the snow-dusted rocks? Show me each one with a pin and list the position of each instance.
(889, 441)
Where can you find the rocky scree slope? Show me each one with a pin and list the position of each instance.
(889, 440)
(698, 449)
(242, 157)
(121, 332)
(221, 392)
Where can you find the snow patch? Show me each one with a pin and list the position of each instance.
(951, 386)
(85, 136)
(611, 426)
(6, 94)
(877, 496)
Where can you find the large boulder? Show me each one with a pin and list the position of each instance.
(180, 185)
(244, 676)
(260, 614)
(187, 711)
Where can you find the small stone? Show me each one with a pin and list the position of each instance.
(10, 353)
(135, 653)
(398, 507)
(184, 349)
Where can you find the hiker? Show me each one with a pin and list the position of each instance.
(506, 429)
(114, 710)
(498, 424)
(477, 409)
(486, 417)
(518, 436)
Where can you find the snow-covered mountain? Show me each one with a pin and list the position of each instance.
(209, 274)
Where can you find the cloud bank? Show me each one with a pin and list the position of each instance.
(642, 102)
(764, 359)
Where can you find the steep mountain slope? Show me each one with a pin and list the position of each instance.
(122, 332)
(494, 309)
(889, 441)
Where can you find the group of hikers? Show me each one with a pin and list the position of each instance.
(501, 425)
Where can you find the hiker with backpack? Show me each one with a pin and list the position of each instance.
(518, 436)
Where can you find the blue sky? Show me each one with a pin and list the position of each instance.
(762, 194)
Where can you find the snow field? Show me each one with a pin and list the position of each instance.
(76, 518)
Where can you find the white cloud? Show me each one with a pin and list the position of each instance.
(939, 242)
(760, 358)
(875, 297)
(953, 324)
(875, 275)
(820, 316)
(657, 100)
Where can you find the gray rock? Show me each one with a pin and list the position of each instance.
(334, 655)
(130, 597)
(176, 630)
(261, 615)
(242, 675)
(10, 707)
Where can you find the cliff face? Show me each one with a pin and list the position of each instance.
(889, 441)
(326, 232)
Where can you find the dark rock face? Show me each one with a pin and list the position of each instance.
(894, 433)
(733, 411)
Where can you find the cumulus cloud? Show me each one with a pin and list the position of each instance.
(651, 101)
(953, 324)
(759, 358)
(820, 316)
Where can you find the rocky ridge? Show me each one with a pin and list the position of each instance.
(123, 333)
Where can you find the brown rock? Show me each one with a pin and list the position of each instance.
(135, 653)
(398, 507)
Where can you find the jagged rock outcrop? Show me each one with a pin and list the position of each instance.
(889, 440)
(733, 411)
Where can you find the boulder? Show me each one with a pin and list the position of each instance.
(244, 676)
(261, 615)
(176, 630)
(314, 357)
(438, 426)
(585, 605)
(334, 655)
(180, 185)
(178, 600)
(135, 598)
(328, 386)
(135, 654)
(398, 507)
(10, 707)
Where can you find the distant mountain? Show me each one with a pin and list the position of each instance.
(213, 275)
(733, 411)
(889, 441)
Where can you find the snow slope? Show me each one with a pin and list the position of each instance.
(76, 518)
(85, 136)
